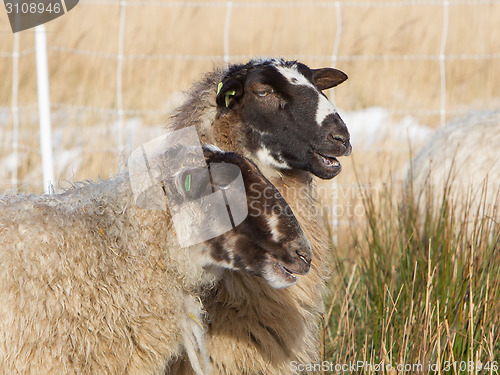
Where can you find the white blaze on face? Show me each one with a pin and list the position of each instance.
(273, 222)
(265, 157)
(325, 107)
(294, 76)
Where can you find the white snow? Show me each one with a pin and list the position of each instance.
(374, 125)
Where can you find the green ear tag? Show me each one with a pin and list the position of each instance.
(219, 87)
(187, 183)
(228, 94)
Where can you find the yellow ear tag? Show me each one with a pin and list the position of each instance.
(228, 94)
(219, 87)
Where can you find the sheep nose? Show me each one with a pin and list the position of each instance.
(305, 255)
(348, 147)
(344, 141)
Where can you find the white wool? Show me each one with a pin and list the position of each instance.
(465, 154)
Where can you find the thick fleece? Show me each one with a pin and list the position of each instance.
(87, 287)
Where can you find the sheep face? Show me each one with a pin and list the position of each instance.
(292, 124)
(269, 242)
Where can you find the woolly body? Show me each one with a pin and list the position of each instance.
(92, 284)
(464, 155)
(106, 298)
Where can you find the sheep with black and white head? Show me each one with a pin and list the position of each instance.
(275, 113)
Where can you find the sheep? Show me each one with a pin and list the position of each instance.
(273, 112)
(91, 283)
(463, 158)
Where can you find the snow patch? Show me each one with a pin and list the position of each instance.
(375, 125)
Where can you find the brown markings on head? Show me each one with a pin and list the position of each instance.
(269, 242)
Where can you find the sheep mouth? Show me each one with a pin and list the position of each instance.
(325, 166)
(280, 276)
(284, 273)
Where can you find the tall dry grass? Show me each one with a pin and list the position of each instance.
(420, 290)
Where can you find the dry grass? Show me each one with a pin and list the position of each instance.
(416, 295)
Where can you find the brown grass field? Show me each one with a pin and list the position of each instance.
(390, 50)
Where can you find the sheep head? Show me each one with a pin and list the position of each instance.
(291, 123)
(269, 241)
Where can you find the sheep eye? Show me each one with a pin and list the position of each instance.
(262, 93)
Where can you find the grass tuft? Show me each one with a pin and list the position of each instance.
(422, 291)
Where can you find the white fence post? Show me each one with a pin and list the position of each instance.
(42, 74)
(227, 27)
(334, 209)
(15, 110)
(442, 60)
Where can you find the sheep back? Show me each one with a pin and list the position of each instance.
(463, 157)
(87, 285)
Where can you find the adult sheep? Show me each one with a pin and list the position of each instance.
(90, 283)
(462, 159)
(275, 113)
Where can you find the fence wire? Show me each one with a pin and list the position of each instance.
(116, 115)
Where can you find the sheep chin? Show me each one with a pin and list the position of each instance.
(278, 276)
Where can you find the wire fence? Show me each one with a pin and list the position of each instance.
(106, 58)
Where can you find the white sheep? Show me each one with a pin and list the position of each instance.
(463, 158)
(273, 112)
(90, 283)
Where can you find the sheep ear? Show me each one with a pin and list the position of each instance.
(229, 93)
(326, 78)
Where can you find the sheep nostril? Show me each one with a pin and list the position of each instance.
(348, 147)
(306, 258)
(337, 137)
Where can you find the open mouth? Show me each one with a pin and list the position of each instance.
(327, 166)
(287, 274)
(329, 161)
(280, 276)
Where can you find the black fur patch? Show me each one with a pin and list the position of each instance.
(252, 245)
